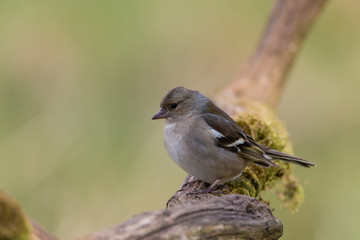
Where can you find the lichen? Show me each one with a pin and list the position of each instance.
(13, 223)
(261, 123)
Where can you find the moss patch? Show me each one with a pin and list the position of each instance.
(261, 123)
(13, 223)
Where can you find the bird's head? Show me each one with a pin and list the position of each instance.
(180, 103)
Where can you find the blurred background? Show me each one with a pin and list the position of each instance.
(80, 81)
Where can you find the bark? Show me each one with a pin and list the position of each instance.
(229, 217)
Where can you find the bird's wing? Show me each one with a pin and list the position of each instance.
(230, 136)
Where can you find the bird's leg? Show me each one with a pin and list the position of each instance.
(208, 190)
(190, 182)
(213, 185)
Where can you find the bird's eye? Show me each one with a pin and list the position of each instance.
(173, 105)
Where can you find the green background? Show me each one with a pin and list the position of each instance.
(80, 81)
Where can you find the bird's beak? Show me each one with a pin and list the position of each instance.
(160, 114)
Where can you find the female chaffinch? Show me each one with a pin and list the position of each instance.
(207, 143)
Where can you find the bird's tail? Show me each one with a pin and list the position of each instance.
(276, 155)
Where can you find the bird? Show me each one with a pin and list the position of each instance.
(207, 143)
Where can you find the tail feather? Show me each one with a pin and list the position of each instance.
(276, 155)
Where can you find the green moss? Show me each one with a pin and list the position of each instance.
(261, 123)
(13, 223)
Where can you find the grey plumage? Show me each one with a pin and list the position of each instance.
(207, 143)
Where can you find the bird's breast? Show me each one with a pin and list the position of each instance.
(173, 141)
(192, 147)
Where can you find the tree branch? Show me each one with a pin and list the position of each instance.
(222, 218)
(264, 74)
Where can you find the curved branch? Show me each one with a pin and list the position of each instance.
(234, 216)
(264, 74)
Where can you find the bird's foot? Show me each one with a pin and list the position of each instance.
(210, 189)
(204, 191)
(190, 183)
